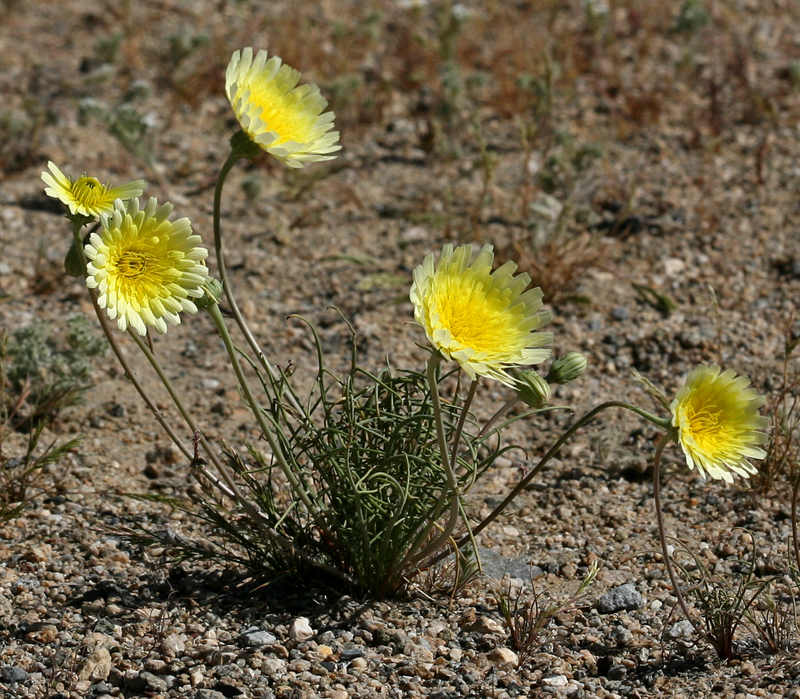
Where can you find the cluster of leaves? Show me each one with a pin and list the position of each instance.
(42, 376)
(366, 447)
(765, 606)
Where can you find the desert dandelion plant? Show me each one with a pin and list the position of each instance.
(483, 320)
(147, 269)
(286, 119)
(86, 196)
(718, 423)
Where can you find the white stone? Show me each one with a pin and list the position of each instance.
(673, 266)
(503, 656)
(273, 667)
(300, 630)
(97, 666)
(555, 681)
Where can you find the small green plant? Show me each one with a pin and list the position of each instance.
(783, 409)
(44, 376)
(25, 476)
(29, 403)
(774, 617)
(727, 603)
(527, 614)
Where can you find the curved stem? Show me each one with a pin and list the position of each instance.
(461, 420)
(414, 556)
(300, 489)
(229, 486)
(795, 541)
(586, 419)
(102, 318)
(510, 403)
(662, 535)
(232, 159)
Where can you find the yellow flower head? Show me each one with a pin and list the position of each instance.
(146, 268)
(86, 196)
(718, 422)
(283, 118)
(480, 319)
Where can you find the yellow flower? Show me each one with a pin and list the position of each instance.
(718, 422)
(480, 319)
(146, 268)
(86, 196)
(283, 118)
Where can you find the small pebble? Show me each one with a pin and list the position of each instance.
(624, 597)
(255, 636)
(300, 629)
(503, 656)
(13, 675)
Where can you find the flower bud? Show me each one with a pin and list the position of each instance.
(567, 368)
(73, 265)
(532, 388)
(212, 292)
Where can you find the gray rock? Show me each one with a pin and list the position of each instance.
(273, 667)
(12, 675)
(496, 566)
(620, 313)
(621, 635)
(255, 637)
(144, 682)
(617, 672)
(173, 645)
(349, 654)
(209, 694)
(682, 629)
(623, 597)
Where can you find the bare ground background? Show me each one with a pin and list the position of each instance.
(625, 154)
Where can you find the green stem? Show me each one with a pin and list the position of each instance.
(232, 159)
(232, 489)
(461, 420)
(102, 317)
(795, 542)
(662, 535)
(510, 403)
(452, 485)
(586, 419)
(229, 486)
(300, 489)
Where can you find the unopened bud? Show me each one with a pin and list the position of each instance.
(567, 368)
(532, 388)
(73, 264)
(212, 292)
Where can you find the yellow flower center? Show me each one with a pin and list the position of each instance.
(88, 191)
(133, 264)
(281, 114)
(710, 433)
(473, 318)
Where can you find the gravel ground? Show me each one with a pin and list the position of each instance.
(675, 201)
